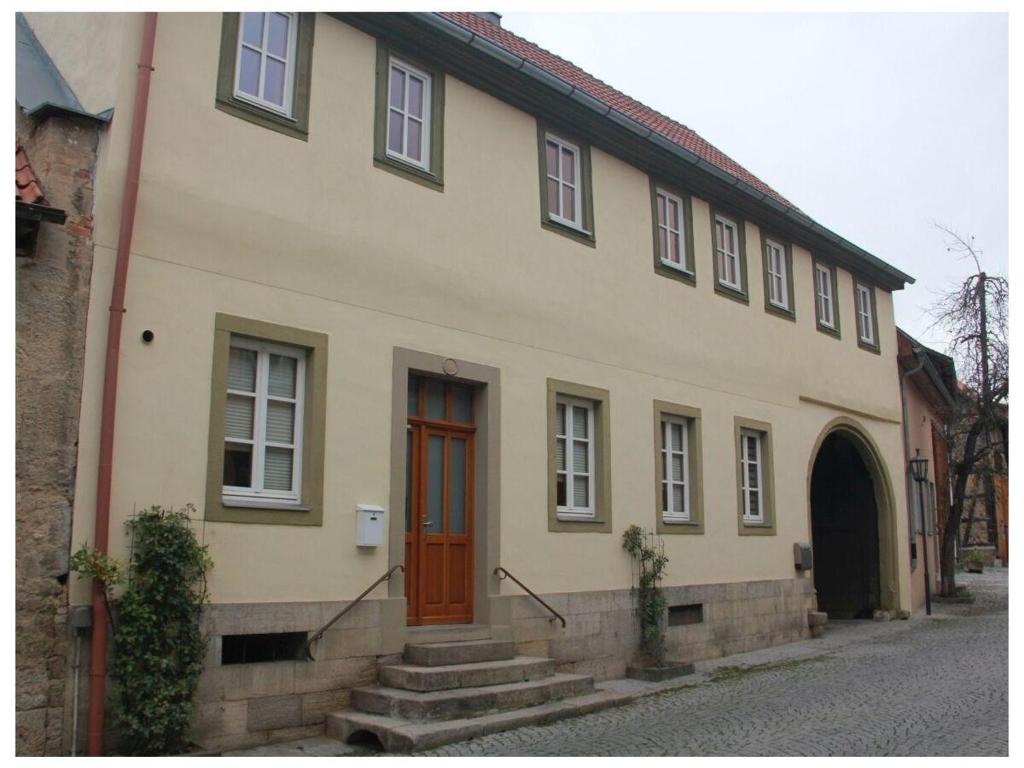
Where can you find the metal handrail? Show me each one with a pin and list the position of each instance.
(320, 632)
(501, 573)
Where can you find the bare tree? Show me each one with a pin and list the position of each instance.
(974, 315)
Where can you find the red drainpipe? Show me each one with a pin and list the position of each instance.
(98, 665)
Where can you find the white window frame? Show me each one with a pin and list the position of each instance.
(259, 443)
(668, 514)
(561, 144)
(745, 487)
(722, 255)
(425, 121)
(569, 511)
(826, 299)
(289, 63)
(865, 324)
(679, 235)
(773, 249)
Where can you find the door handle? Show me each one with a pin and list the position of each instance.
(427, 523)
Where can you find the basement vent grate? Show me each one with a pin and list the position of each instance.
(678, 615)
(249, 649)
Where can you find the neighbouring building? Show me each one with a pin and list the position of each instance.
(928, 381)
(55, 163)
(408, 290)
(984, 526)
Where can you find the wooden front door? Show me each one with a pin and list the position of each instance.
(439, 502)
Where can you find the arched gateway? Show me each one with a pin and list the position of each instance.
(852, 524)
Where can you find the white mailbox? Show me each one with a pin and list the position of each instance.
(369, 525)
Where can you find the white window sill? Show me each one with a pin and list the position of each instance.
(266, 106)
(776, 304)
(250, 502)
(677, 520)
(406, 161)
(568, 224)
(677, 267)
(730, 286)
(576, 517)
(754, 521)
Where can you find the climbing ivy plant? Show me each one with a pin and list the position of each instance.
(158, 646)
(651, 564)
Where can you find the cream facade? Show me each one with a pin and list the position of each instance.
(239, 220)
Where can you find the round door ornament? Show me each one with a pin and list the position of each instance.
(450, 367)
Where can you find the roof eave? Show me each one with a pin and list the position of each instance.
(885, 274)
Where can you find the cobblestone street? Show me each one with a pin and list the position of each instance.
(927, 686)
(933, 686)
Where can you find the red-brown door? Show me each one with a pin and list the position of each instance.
(439, 504)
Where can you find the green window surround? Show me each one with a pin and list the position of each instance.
(686, 271)
(309, 510)
(694, 460)
(432, 175)
(872, 292)
(835, 330)
(296, 123)
(602, 520)
(767, 489)
(740, 294)
(583, 178)
(788, 312)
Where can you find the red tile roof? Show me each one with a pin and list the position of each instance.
(26, 185)
(590, 85)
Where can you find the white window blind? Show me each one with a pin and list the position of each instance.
(751, 476)
(675, 482)
(574, 457)
(263, 421)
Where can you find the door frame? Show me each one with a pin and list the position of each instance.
(486, 381)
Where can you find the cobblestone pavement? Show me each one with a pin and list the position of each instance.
(928, 686)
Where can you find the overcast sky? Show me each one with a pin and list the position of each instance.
(875, 125)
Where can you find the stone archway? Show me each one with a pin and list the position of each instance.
(852, 524)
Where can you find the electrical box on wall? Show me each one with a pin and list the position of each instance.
(803, 559)
(369, 525)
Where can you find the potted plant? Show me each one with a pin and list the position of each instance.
(973, 562)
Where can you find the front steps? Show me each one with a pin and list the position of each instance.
(450, 691)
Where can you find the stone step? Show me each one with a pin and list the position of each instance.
(459, 652)
(402, 735)
(412, 677)
(466, 702)
(448, 633)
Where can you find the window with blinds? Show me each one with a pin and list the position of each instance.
(263, 421)
(563, 180)
(675, 478)
(265, 71)
(751, 476)
(778, 290)
(671, 248)
(408, 125)
(826, 306)
(727, 252)
(865, 315)
(574, 458)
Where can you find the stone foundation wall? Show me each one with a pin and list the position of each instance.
(51, 304)
(602, 632)
(244, 705)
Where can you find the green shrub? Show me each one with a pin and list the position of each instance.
(158, 648)
(973, 560)
(651, 565)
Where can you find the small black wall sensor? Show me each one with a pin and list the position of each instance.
(147, 336)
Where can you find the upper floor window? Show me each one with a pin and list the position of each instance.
(263, 421)
(563, 170)
(408, 124)
(751, 476)
(565, 188)
(867, 334)
(825, 298)
(778, 278)
(265, 70)
(727, 251)
(675, 475)
(574, 457)
(671, 246)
